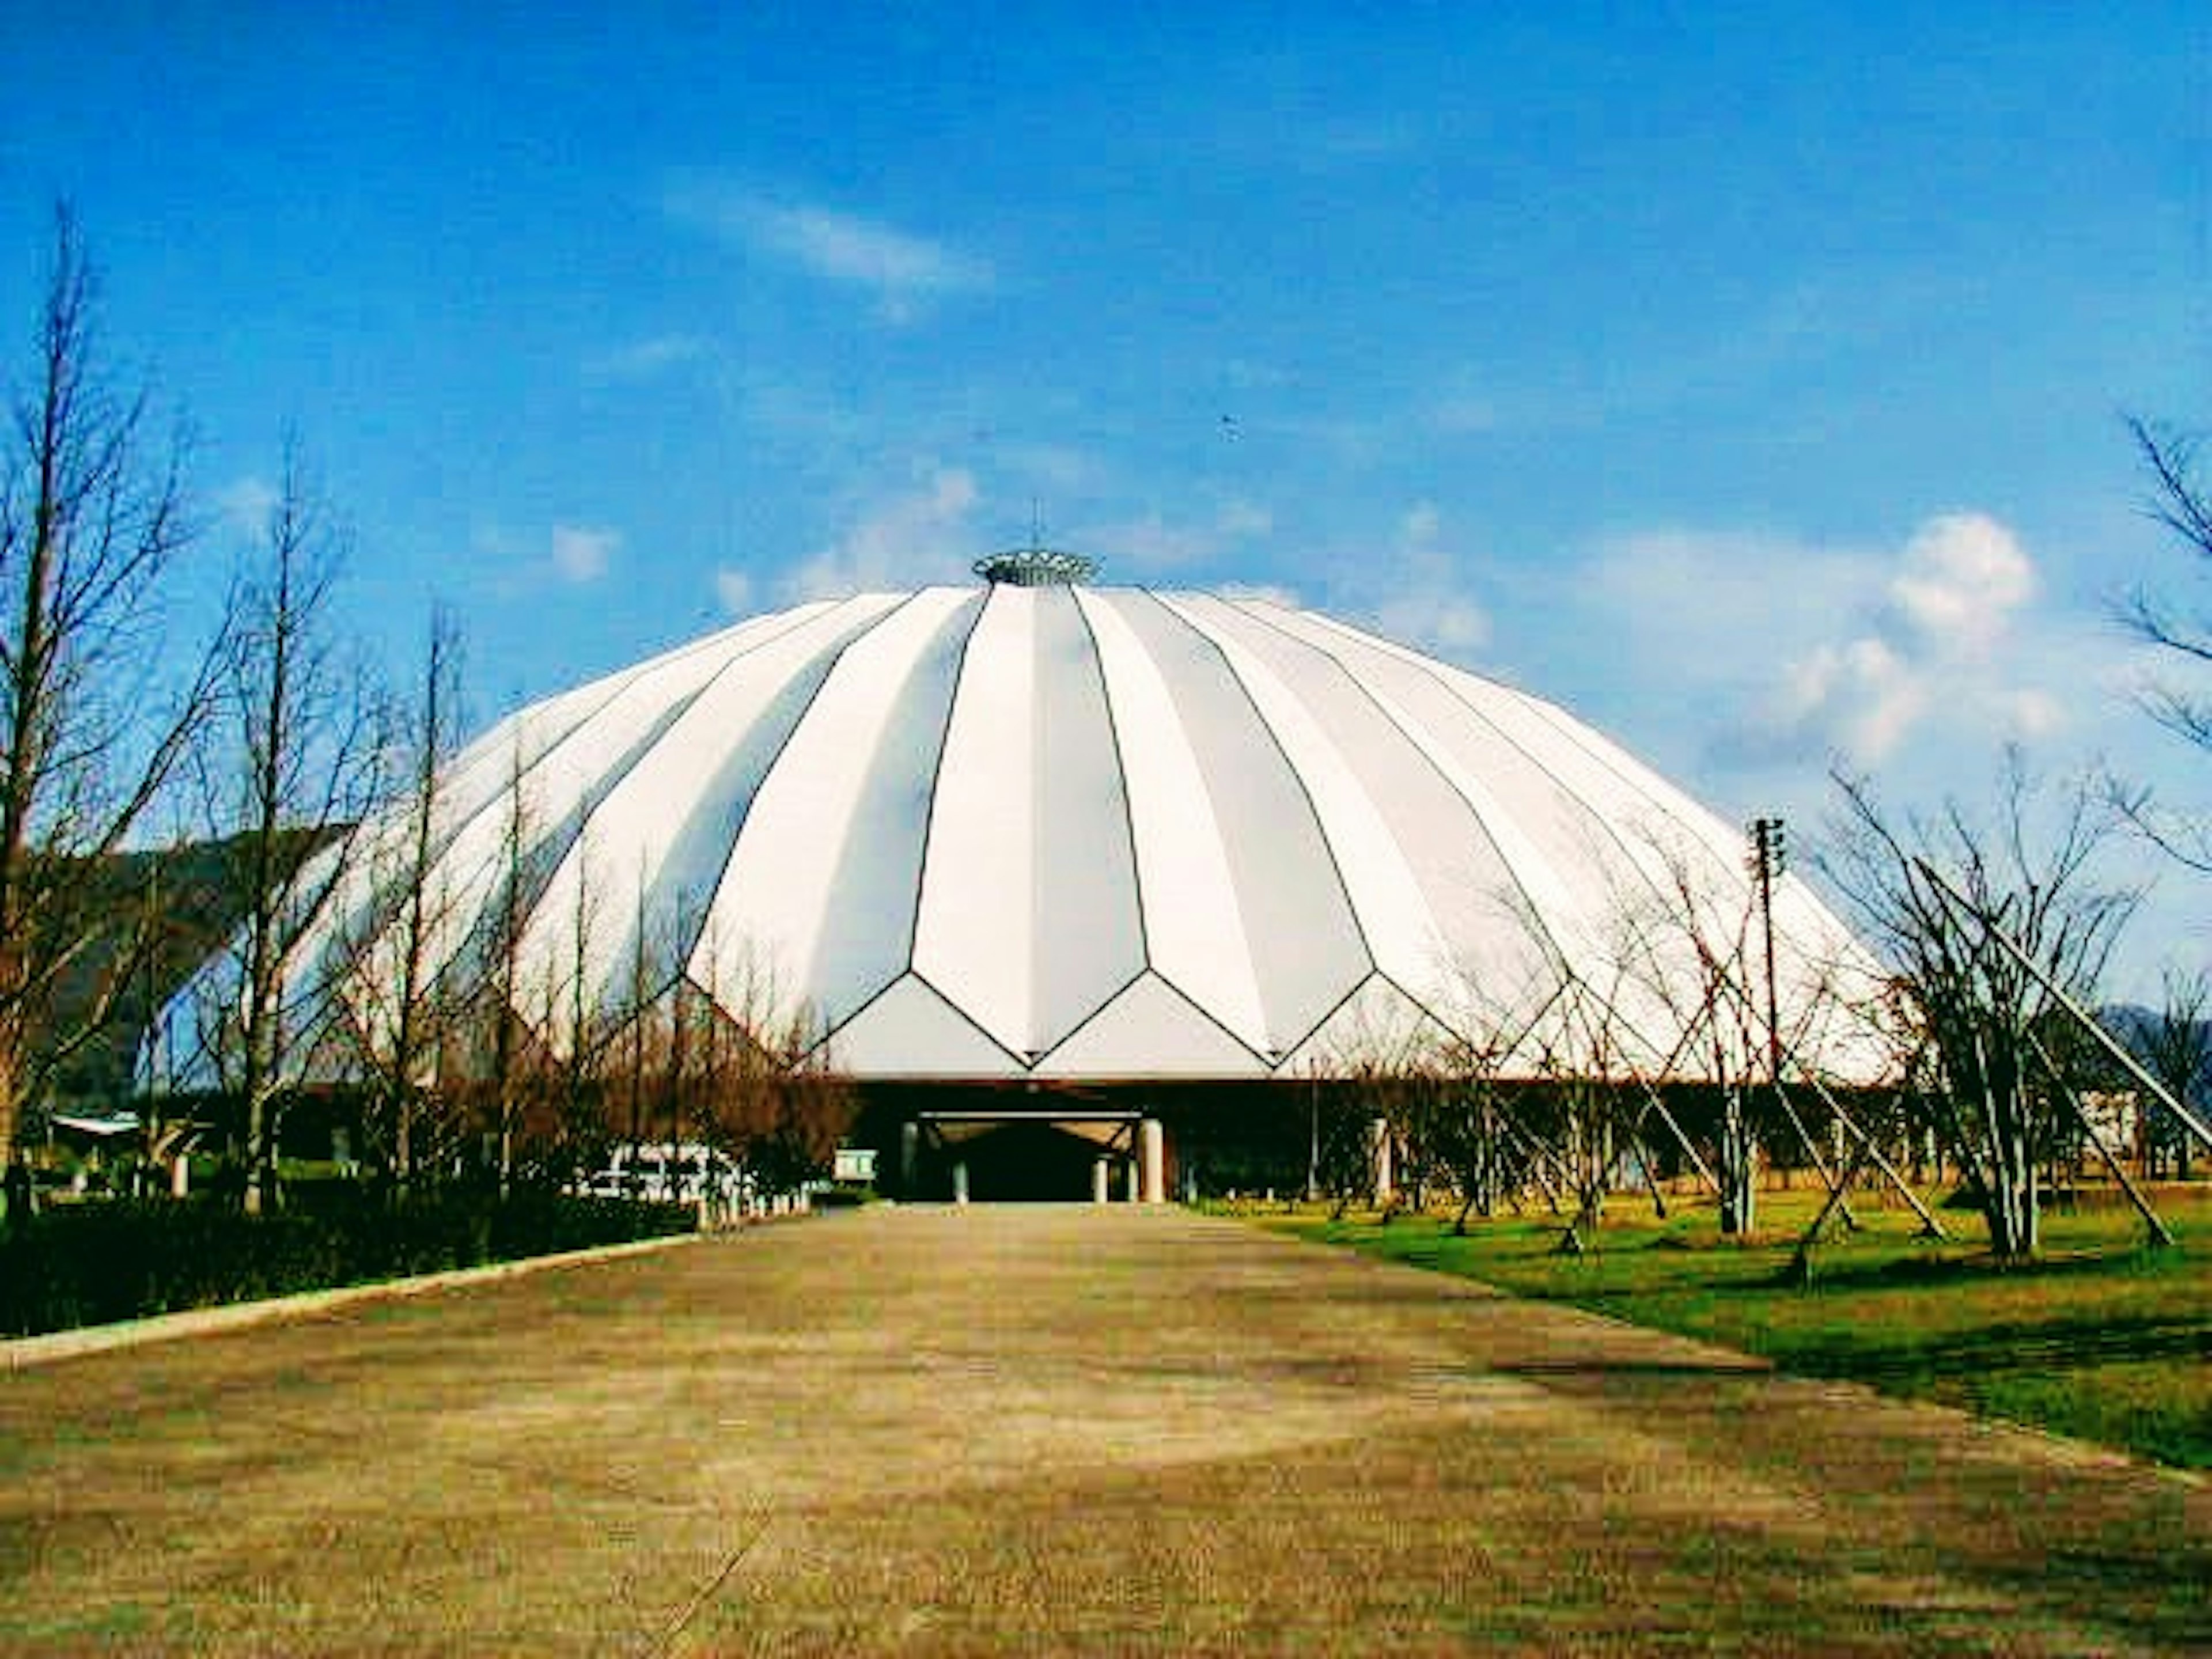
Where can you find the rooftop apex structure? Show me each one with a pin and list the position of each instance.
(1037, 567)
(1036, 829)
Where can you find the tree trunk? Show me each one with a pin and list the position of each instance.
(1739, 1169)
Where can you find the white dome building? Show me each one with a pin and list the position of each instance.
(1033, 830)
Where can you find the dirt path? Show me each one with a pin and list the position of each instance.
(1040, 1431)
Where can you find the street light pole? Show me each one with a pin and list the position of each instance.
(1769, 858)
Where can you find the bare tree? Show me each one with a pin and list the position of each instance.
(91, 523)
(292, 772)
(1992, 1095)
(2176, 1044)
(572, 1003)
(393, 967)
(2180, 501)
(1470, 1140)
(503, 1057)
(1691, 956)
(760, 1080)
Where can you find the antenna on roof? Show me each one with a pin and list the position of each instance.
(1036, 565)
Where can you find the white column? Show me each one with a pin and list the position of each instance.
(1134, 1191)
(1378, 1138)
(910, 1157)
(1152, 1155)
(1101, 1182)
(960, 1182)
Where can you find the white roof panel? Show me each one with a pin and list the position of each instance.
(824, 877)
(1093, 832)
(1031, 818)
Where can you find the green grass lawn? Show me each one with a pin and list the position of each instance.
(2101, 1340)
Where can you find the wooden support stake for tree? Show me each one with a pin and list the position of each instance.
(1928, 1220)
(2111, 1044)
(1650, 1176)
(1653, 1103)
(1800, 1259)
(2161, 1237)
(1836, 1186)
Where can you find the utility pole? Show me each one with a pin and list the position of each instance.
(1769, 858)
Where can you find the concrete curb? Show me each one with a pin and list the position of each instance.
(22, 1352)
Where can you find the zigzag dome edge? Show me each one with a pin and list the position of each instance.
(1076, 832)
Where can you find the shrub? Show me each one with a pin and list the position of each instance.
(89, 1264)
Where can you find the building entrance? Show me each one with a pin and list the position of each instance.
(1036, 1157)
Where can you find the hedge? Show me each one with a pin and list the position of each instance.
(90, 1264)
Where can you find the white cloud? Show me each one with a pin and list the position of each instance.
(1149, 543)
(919, 535)
(1860, 697)
(900, 268)
(1930, 650)
(734, 588)
(1240, 519)
(574, 555)
(1152, 543)
(580, 553)
(247, 505)
(1794, 653)
(850, 249)
(644, 360)
(1428, 602)
(1263, 593)
(1744, 664)
(1963, 576)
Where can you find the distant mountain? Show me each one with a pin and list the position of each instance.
(192, 889)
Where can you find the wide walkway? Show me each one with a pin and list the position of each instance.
(1040, 1431)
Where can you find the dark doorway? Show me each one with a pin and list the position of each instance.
(1025, 1163)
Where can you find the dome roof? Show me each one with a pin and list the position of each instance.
(1075, 832)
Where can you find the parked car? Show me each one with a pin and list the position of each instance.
(661, 1174)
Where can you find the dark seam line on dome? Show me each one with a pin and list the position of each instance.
(939, 992)
(1184, 996)
(893, 984)
(1566, 725)
(1207, 1015)
(737, 660)
(578, 818)
(1104, 1003)
(612, 685)
(1376, 977)
(1421, 1003)
(1532, 912)
(791, 735)
(619, 682)
(936, 774)
(1588, 808)
(1360, 690)
(609, 782)
(1183, 728)
(1128, 811)
(1321, 826)
(1574, 975)
(1306, 1036)
(559, 844)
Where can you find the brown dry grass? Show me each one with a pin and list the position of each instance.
(1041, 1431)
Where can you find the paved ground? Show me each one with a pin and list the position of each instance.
(1040, 1431)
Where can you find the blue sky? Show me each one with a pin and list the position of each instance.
(1749, 380)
